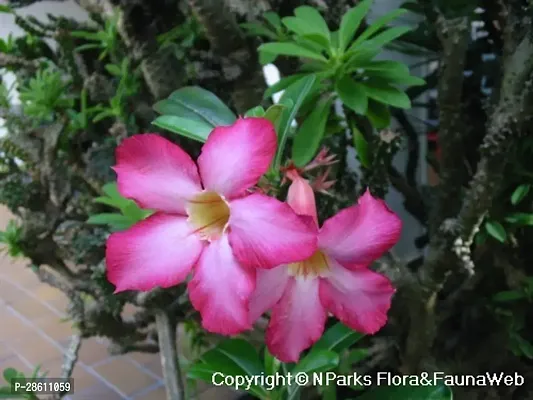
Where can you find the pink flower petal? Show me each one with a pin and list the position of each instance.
(265, 232)
(158, 251)
(270, 284)
(235, 157)
(221, 289)
(360, 234)
(297, 321)
(301, 198)
(156, 173)
(360, 299)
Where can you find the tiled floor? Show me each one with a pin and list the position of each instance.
(32, 333)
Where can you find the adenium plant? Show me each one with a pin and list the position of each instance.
(248, 252)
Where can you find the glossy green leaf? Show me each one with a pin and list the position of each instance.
(272, 364)
(304, 30)
(111, 189)
(509, 295)
(310, 133)
(438, 392)
(293, 96)
(337, 338)
(496, 230)
(192, 129)
(519, 193)
(378, 114)
(197, 104)
(255, 112)
(360, 56)
(113, 219)
(234, 357)
(376, 26)
(266, 58)
(258, 30)
(273, 19)
(320, 360)
(9, 374)
(389, 35)
(274, 113)
(352, 94)
(387, 94)
(392, 71)
(361, 147)
(291, 50)
(523, 219)
(282, 84)
(351, 21)
(315, 20)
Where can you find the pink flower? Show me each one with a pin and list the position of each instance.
(206, 221)
(335, 279)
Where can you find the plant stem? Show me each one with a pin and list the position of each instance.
(166, 329)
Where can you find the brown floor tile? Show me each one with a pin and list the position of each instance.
(32, 309)
(157, 394)
(144, 358)
(82, 378)
(59, 303)
(92, 352)
(47, 293)
(96, 392)
(12, 326)
(125, 375)
(36, 349)
(55, 328)
(24, 276)
(11, 294)
(155, 367)
(5, 352)
(14, 362)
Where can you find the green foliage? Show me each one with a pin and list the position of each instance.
(130, 212)
(342, 62)
(181, 38)
(192, 112)
(237, 357)
(12, 373)
(45, 95)
(10, 238)
(106, 40)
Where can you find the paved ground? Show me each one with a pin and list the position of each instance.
(32, 333)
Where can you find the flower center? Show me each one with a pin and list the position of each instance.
(314, 266)
(208, 214)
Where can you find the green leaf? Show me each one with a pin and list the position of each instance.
(113, 69)
(291, 50)
(272, 364)
(255, 112)
(361, 147)
(86, 35)
(311, 16)
(192, 129)
(231, 357)
(294, 96)
(310, 134)
(519, 193)
(376, 26)
(273, 19)
(282, 84)
(9, 374)
(338, 338)
(198, 104)
(258, 30)
(113, 219)
(378, 114)
(387, 94)
(438, 392)
(508, 296)
(351, 21)
(4, 8)
(496, 230)
(389, 35)
(523, 219)
(274, 113)
(320, 360)
(352, 94)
